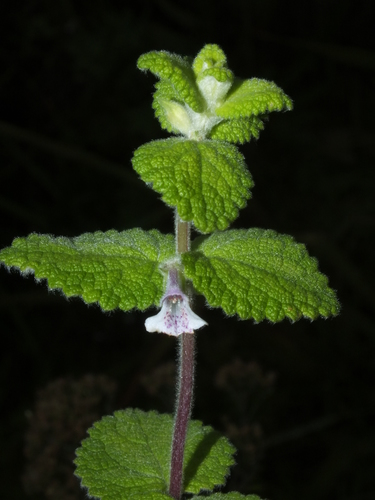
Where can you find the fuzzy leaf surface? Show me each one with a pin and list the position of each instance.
(164, 95)
(177, 71)
(237, 131)
(127, 456)
(259, 274)
(115, 269)
(207, 181)
(253, 97)
(202, 99)
(209, 57)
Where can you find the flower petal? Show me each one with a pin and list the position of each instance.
(175, 317)
(156, 323)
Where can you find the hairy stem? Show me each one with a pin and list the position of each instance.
(183, 411)
(182, 232)
(185, 383)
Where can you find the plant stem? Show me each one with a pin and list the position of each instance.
(183, 411)
(182, 233)
(185, 383)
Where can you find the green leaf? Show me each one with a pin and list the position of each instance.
(259, 274)
(207, 181)
(205, 100)
(253, 97)
(209, 57)
(232, 495)
(169, 109)
(178, 72)
(214, 79)
(114, 269)
(177, 92)
(207, 458)
(128, 455)
(237, 131)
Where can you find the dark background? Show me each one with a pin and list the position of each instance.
(298, 400)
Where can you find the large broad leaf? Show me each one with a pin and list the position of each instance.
(259, 274)
(207, 181)
(127, 456)
(253, 97)
(115, 269)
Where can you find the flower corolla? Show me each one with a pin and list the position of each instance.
(175, 316)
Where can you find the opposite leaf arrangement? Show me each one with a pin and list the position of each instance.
(254, 273)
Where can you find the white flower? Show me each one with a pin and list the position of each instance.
(175, 316)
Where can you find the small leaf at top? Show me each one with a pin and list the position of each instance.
(203, 99)
(214, 79)
(127, 456)
(115, 269)
(207, 181)
(210, 56)
(253, 97)
(177, 71)
(259, 274)
(237, 131)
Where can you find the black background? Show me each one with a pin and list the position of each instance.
(74, 107)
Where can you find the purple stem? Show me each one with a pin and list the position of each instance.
(184, 400)
(185, 383)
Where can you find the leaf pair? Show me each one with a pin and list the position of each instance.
(127, 456)
(194, 97)
(254, 273)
